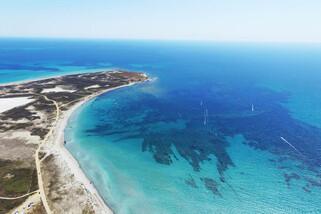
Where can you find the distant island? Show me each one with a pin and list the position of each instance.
(37, 173)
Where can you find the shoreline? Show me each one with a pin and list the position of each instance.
(63, 185)
(71, 161)
(109, 69)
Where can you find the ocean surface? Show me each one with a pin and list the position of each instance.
(221, 128)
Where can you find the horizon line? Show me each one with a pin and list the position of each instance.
(162, 39)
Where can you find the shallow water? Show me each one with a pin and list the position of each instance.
(223, 128)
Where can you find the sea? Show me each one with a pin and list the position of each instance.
(219, 128)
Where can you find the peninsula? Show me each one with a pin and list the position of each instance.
(37, 173)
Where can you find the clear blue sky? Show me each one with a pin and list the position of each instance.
(249, 20)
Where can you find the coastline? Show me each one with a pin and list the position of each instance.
(33, 133)
(109, 69)
(101, 206)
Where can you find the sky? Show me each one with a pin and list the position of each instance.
(218, 20)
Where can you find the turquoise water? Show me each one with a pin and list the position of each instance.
(222, 128)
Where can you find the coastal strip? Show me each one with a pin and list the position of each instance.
(32, 141)
(59, 141)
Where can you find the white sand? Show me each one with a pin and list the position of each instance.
(56, 89)
(58, 140)
(10, 103)
(92, 86)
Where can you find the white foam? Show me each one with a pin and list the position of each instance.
(287, 142)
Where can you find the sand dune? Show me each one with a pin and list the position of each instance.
(56, 89)
(10, 103)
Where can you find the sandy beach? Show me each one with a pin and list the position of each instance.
(100, 205)
(34, 116)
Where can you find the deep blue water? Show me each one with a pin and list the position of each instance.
(222, 128)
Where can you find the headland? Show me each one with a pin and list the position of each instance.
(37, 173)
